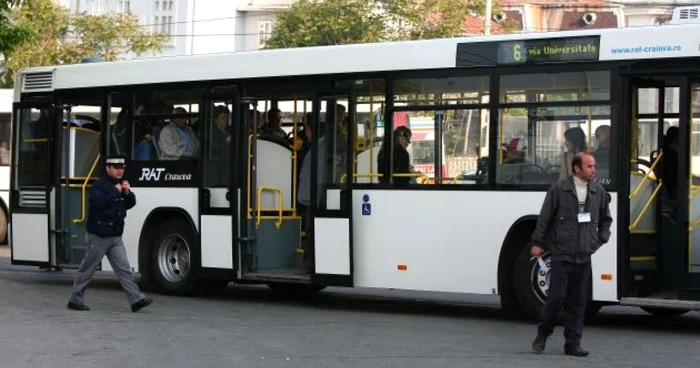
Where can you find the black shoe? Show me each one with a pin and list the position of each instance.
(78, 307)
(575, 351)
(145, 302)
(539, 343)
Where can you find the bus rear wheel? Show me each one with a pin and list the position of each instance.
(175, 258)
(3, 226)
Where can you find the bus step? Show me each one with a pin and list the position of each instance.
(661, 303)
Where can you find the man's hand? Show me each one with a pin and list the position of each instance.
(119, 187)
(126, 186)
(536, 250)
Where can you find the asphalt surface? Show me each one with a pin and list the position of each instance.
(251, 326)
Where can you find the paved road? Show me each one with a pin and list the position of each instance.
(253, 327)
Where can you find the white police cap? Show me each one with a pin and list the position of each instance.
(116, 161)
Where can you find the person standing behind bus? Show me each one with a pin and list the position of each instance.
(575, 141)
(573, 223)
(110, 198)
(402, 160)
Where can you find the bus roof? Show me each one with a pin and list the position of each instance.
(666, 41)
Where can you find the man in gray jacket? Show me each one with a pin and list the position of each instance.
(573, 223)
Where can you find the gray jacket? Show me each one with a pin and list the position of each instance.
(558, 229)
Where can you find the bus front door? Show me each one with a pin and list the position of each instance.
(690, 174)
(32, 183)
(663, 225)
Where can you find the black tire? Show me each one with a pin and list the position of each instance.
(292, 289)
(531, 299)
(175, 258)
(664, 312)
(3, 226)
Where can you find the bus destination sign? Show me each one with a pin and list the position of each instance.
(535, 51)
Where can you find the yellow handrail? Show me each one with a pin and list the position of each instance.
(646, 206)
(92, 169)
(651, 170)
(279, 207)
(694, 225)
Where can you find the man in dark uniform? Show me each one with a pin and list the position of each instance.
(110, 198)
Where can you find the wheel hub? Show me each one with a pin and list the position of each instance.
(540, 278)
(174, 258)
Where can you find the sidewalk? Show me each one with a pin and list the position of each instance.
(4, 251)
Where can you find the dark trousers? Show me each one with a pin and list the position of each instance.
(568, 285)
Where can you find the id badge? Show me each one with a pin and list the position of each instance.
(584, 217)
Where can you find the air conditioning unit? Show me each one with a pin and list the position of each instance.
(686, 14)
(589, 18)
(500, 17)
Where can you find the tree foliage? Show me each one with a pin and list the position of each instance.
(329, 22)
(334, 22)
(11, 34)
(58, 37)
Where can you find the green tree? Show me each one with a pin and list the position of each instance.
(329, 22)
(334, 22)
(11, 34)
(58, 37)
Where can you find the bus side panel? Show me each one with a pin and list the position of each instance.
(148, 199)
(604, 262)
(448, 241)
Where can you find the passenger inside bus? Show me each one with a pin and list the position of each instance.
(669, 168)
(402, 160)
(513, 152)
(254, 120)
(272, 128)
(177, 140)
(221, 133)
(575, 141)
(602, 151)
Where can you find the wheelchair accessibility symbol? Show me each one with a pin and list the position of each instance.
(366, 209)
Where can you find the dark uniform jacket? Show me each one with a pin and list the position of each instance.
(107, 208)
(558, 229)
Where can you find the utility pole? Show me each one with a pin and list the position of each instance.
(487, 18)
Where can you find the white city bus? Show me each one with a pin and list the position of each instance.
(230, 213)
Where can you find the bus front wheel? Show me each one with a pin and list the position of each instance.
(531, 284)
(175, 258)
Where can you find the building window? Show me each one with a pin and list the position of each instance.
(164, 18)
(97, 7)
(124, 6)
(264, 31)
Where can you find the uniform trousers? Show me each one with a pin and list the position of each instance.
(113, 248)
